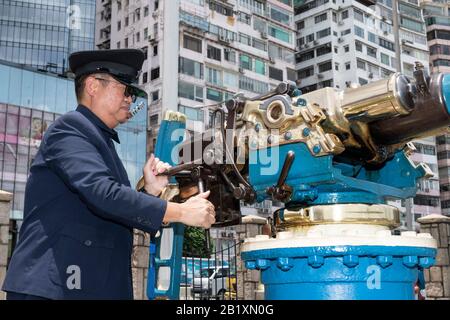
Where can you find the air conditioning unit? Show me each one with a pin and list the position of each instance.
(155, 14)
(151, 38)
(385, 33)
(301, 47)
(263, 35)
(340, 40)
(241, 70)
(271, 60)
(224, 39)
(320, 76)
(404, 41)
(340, 23)
(306, 45)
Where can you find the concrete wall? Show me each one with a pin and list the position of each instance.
(5, 207)
(437, 278)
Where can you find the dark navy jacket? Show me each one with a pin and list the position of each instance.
(79, 213)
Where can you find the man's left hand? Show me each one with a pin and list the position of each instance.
(153, 183)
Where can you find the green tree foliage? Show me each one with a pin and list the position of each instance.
(194, 244)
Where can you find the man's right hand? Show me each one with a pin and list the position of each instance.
(195, 212)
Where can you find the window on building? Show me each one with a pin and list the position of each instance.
(155, 50)
(245, 39)
(310, 37)
(192, 43)
(154, 73)
(119, 25)
(320, 51)
(359, 32)
(320, 18)
(229, 55)
(306, 56)
(145, 50)
(244, 17)
(358, 14)
(347, 66)
(301, 25)
(191, 68)
(118, 45)
(346, 48)
(325, 66)
(372, 52)
(153, 120)
(386, 44)
(372, 37)
(360, 64)
(358, 46)
(191, 113)
(260, 66)
(138, 37)
(345, 32)
(126, 21)
(126, 43)
(156, 4)
(245, 61)
(336, 66)
(190, 91)
(213, 76)
(155, 95)
(214, 95)
(344, 14)
(291, 74)
(323, 33)
(144, 77)
(214, 53)
(385, 59)
(362, 81)
(306, 72)
(280, 33)
(146, 11)
(145, 33)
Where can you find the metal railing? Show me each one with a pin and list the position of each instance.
(213, 278)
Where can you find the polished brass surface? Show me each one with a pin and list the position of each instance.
(383, 215)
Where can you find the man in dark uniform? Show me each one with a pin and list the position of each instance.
(80, 210)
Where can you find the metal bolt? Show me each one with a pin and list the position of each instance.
(316, 148)
(351, 260)
(251, 265)
(316, 261)
(410, 261)
(301, 102)
(384, 261)
(257, 127)
(262, 264)
(426, 262)
(269, 139)
(88, 243)
(288, 135)
(284, 264)
(306, 132)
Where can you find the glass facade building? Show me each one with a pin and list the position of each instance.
(42, 33)
(30, 101)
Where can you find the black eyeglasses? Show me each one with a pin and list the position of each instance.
(128, 92)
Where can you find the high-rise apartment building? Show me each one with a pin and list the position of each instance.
(343, 43)
(437, 19)
(201, 52)
(43, 33)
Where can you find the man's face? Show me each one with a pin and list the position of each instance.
(111, 100)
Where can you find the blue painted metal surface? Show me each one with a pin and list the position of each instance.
(318, 180)
(340, 272)
(446, 90)
(168, 139)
